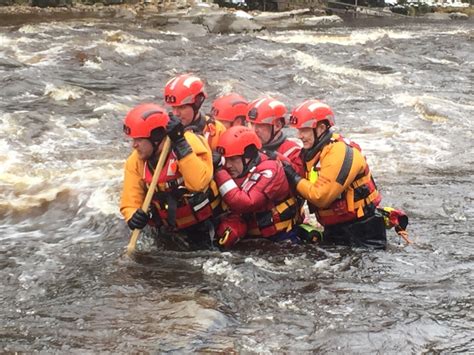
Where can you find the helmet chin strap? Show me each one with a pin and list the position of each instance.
(248, 165)
(272, 135)
(318, 144)
(197, 106)
(153, 160)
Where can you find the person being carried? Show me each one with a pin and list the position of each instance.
(186, 196)
(338, 184)
(185, 95)
(254, 189)
(230, 110)
(267, 118)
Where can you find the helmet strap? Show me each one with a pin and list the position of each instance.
(153, 160)
(250, 159)
(274, 144)
(318, 144)
(197, 104)
(273, 133)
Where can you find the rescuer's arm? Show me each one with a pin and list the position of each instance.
(340, 164)
(134, 188)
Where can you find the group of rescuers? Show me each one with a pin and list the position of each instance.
(234, 174)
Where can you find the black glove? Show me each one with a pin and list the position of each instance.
(139, 220)
(174, 128)
(291, 174)
(217, 161)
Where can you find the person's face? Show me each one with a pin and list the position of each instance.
(307, 137)
(234, 166)
(144, 147)
(185, 113)
(263, 131)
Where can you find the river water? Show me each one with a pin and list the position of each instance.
(404, 92)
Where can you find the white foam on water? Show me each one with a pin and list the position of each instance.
(41, 28)
(263, 264)
(353, 38)
(5, 42)
(126, 44)
(223, 268)
(440, 61)
(239, 55)
(50, 56)
(130, 50)
(9, 126)
(65, 92)
(105, 199)
(93, 64)
(288, 304)
(170, 33)
(112, 107)
(437, 110)
(307, 61)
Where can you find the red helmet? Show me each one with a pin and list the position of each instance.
(266, 110)
(310, 113)
(184, 90)
(143, 119)
(236, 139)
(229, 107)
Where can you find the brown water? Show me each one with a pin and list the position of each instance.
(404, 93)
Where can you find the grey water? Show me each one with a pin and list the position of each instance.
(404, 92)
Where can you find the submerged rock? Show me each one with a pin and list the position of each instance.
(458, 16)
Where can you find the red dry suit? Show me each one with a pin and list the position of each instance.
(287, 150)
(260, 203)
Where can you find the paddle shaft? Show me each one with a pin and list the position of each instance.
(151, 190)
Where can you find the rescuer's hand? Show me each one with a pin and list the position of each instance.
(291, 174)
(174, 128)
(139, 220)
(217, 161)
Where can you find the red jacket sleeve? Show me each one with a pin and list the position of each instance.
(253, 196)
(291, 152)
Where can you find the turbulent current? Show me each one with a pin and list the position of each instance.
(403, 92)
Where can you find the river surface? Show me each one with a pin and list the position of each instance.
(404, 92)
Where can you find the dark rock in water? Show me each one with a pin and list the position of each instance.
(228, 23)
(458, 16)
(6, 2)
(9, 63)
(377, 68)
(157, 21)
(113, 2)
(51, 3)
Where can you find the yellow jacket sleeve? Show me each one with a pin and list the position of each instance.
(340, 164)
(196, 168)
(134, 188)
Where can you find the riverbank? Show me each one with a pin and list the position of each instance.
(212, 17)
(209, 16)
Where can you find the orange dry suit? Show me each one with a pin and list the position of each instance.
(261, 199)
(341, 192)
(185, 194)
(208, 127)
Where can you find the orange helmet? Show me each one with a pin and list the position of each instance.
(266, 110)
(229, 107)
(310, 113)
(235, 140)
(144, 119)
(185, 89)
